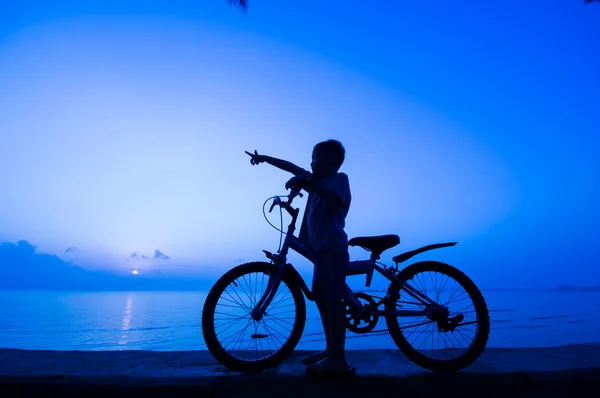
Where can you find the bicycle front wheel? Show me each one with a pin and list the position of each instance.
(448, 343)
(235, 339)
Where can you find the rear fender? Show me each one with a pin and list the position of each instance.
(405, 256)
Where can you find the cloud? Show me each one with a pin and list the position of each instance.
(22, 266)
(159, 255)
(136, 256)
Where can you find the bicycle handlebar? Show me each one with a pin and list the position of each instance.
(288, 204)
(293, 194)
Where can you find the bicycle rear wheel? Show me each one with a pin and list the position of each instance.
(420, 338)
(233, 337)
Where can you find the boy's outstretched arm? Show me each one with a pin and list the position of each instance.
(279, 163)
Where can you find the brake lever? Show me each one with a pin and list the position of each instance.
(275, 201)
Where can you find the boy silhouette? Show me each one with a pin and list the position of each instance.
(322, 230)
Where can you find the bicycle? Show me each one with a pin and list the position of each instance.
(284, 283)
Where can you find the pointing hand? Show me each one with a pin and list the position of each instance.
(255, 157)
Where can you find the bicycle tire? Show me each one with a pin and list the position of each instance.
(208, 327)
(481, 309)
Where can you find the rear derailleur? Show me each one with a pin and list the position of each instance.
(441, 316)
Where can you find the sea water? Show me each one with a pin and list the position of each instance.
(165, 320)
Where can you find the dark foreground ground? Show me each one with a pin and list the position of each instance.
(578, 383)
(569, 371)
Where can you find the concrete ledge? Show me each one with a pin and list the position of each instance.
(556, 371)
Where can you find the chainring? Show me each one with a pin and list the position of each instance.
(362, 323)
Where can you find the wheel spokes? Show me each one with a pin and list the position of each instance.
(239, 334)
(437, 336)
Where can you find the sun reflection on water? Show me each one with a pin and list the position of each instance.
(126, 321)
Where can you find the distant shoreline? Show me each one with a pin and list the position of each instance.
(560, 288)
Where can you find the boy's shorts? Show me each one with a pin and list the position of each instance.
(329, 276)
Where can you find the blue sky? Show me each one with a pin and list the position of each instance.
(123, 127)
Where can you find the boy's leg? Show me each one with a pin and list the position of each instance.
(337, 318)
(330, 274)
(324, 313)
(337, 325)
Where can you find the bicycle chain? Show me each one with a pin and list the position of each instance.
(379, 330)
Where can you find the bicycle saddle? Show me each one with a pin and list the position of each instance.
(376, 244)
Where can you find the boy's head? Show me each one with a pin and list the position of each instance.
(327, 157)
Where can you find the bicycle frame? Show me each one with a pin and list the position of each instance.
(359, 267)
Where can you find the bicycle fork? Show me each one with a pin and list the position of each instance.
(259, 309)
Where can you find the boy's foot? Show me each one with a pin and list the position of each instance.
(314, 358)
(328, 370)
(318, 370)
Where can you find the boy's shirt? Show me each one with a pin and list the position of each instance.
(323, 223)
